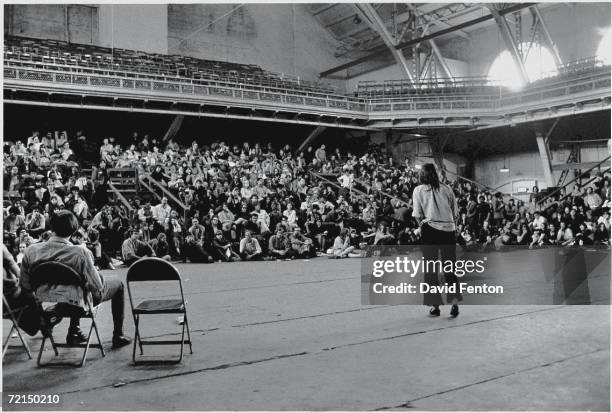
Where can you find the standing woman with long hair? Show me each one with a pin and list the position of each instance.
(435, 208)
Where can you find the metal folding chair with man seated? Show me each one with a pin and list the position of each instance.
(13, 314)
(156, 269)
(57, 274)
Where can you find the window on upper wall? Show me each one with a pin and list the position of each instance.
(538, 60)
(604, 51)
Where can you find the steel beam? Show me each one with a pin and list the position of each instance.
(553, 47)
(545, 158)
(513, 48)
(437, 22)
(372, 18)
(324, 9)
(173, 128)
(409, 43)
(425, 67)
(443, 63)
(316, 132)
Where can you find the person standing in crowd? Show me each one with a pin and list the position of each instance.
(435, 208)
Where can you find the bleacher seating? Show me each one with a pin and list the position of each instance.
(472, 86)
(60, 55)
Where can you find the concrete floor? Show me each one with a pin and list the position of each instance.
(294, 336)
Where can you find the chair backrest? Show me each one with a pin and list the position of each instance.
(152, 269)
(55, 273)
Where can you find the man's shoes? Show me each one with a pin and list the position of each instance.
(454, 311)
(75, 337)
(49, 320)
(434, 311)
(121, 341)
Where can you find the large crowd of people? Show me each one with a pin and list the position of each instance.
(254, 201)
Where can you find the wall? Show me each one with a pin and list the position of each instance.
(576, 29)
(527, 167)
(282, 38)
(134, 26)
(67, 22)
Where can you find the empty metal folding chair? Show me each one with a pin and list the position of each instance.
(54, 274)
(156, 269)
(14, 315)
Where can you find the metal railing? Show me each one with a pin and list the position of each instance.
(437, 102)
(211, 80)
(182, 88)
(580, 176)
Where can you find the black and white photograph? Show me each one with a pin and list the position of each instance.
(306, 206)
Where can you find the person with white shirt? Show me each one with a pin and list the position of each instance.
(161, 211)
(435, 208)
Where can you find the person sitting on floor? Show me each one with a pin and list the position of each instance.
(250, 250)
(342, 246)
(134, 249)
(279, 246)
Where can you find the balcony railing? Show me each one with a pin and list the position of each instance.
(553, 89)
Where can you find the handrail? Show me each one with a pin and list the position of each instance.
(123, 200)
(488, 188)
(117, 73)
(149, 188)
(573, 180)
(336, 185)
(386, 194)
(584, 184)
(165, 191)
(328, 101)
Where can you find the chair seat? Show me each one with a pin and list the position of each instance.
(66, 310)
(160, 306)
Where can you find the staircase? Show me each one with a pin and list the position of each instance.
(602, 166)
(574, 157)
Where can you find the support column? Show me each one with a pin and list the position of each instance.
(316, 132)
(545, 158)
(174, 128)
(551, 44)
(510, 42)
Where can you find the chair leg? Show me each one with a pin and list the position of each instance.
(53, 344)
(95, 327)
(40, 352)
(182, 343)
(135, 339)
(5, 346)
(87, 344)
(23, 342)
(139, 338)
(188, 334)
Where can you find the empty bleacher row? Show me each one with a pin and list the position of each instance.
(473, 86)
(61, 55)
(404, 87)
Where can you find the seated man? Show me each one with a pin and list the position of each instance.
(160, 246)
(194, 251)
(250, 249)
(301, 245)
(102, 288)
(222, 248)
(279, 246)
(134, 249)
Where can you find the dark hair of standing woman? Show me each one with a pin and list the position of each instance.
(429, 176)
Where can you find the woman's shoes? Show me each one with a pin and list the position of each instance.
(454, 311)
(434, 311)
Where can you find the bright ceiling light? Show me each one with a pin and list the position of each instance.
(604, 51)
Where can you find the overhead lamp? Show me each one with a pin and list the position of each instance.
(504, 169)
